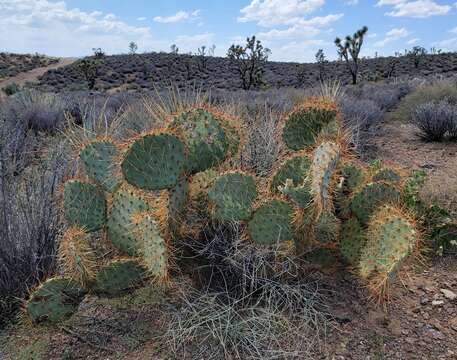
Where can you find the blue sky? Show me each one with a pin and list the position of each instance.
(293, 29)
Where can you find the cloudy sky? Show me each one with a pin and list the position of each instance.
(292, 29)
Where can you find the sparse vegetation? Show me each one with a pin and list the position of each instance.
(435, 120)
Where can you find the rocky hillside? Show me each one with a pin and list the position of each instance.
(146, 71)
(13, 64)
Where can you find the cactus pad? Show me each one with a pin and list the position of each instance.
(304, 124)
(295, 168)
(126, 203)
(327, 228)
(271, 223)
(204, 138)
(99, 158)
(54, 300)
(232, 196)
(391, 238)
(353, 177)
(154, 251)
(119, 276)
(353, 240)
(84, 205)
(368, 199)
(154, 162)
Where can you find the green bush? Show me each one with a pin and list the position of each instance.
(429, 93)
(11, 89)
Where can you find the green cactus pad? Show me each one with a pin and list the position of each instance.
(367, 200)
(387, 175)
(177, 201)
(391, 238)
(300, 195)
(154, 162)
(325, 161)
(55, 300)
(232, 196)
(353, 240)
(84, 205)
(119, 276)
(154, 251)
(271, 223)
(204, 137)
(295, 168)
(99, 158)
(126, 203)
(304, 125)
(327, 228)
(353, 177)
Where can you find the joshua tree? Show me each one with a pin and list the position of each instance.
(349, 50)
(98, 53)
(212, 49)
(89, 69)
(248, 61)
(174, 49)
(202, 58)
(321, 61)
(133, 47)
(417, 53)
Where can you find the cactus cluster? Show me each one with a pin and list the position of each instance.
(144, 196)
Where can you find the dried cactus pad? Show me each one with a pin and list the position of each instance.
(55, 300)
(271, 223)
(126, 203)
(232, 196)
(304, 124)
(119, 276)
(154, 162)
(295, 169)
(99, 158)
(84, 205)
(367, 200)
(204, 137)
(387, 175)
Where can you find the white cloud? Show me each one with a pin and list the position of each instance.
(178, 17)
(413, 41)
(447, 45)
(278, 12)
(392, 35)
(454, 30)
(142, 18)
(415, 9)
(188, 43)
(53, 28)
(302, 28)
(352, 2)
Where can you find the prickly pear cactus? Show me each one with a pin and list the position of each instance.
(76, 256)
(305, 122)
(271, 223)
(231, 196)
(204, 137)
(154, 162)
(126, 203)
(368, 199)
(387, 175)
(100, 162)
(84, 205)
(391, 238)
(119, 276)
(300, 195)
(295, 168)
(327, 228)
(54, 300)
(353, 239)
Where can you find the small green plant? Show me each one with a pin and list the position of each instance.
(11, 89)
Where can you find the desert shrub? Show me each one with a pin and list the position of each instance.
(386, 96)
(29, 226)
(11, 89)
(361, 117)
(425, 93)
(38, 111)
(435, 120)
